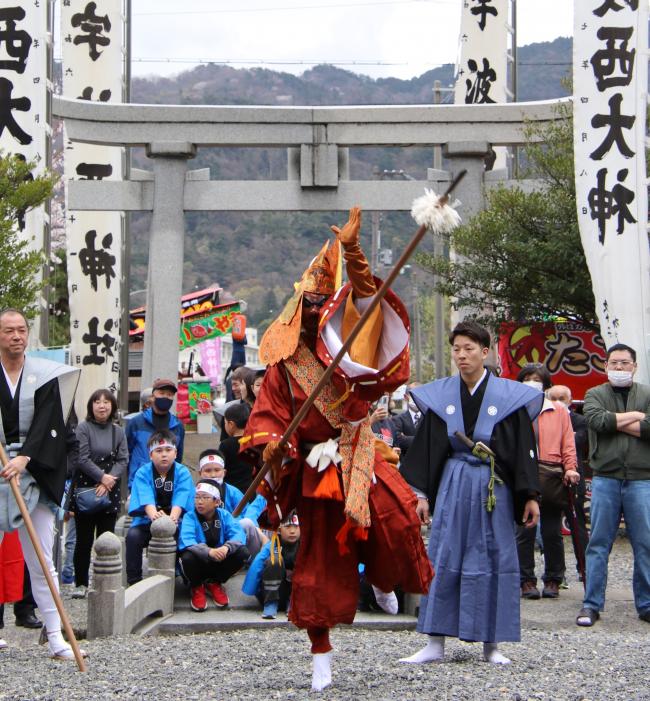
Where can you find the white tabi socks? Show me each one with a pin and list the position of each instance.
(433, 652)
(491, 654)
(59, 648)
(386, 601)
(322, 671)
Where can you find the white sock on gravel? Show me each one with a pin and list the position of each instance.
(322, 671)
(386, 601)
(56, 641)
(491, 654)
(434, 651)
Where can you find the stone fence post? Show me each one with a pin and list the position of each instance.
(162, 548)
(106, 598)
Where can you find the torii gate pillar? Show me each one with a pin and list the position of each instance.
(165, 272)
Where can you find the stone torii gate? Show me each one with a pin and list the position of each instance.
(317, 141)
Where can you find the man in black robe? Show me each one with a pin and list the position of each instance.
(36, 397)
(475, 592)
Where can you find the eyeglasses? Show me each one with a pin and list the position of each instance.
(620, 363)
(201, 497)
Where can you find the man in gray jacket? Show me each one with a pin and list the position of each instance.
(36, 397)
(618, 419)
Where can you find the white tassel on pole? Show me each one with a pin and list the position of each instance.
(435, 213)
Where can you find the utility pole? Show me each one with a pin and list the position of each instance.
(377, 262)
(438, 251)
(417, 339)
(437, 150)
(374, 248)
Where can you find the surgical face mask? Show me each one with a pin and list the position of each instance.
(619, 378)
(163, 403)
(535, 385)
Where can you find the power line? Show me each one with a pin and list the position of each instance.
(265, 62)
(306, 62)
(544, 63)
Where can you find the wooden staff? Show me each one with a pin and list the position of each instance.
(325, 378)
(33, 536)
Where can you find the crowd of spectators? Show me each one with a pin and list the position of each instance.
(146, 457)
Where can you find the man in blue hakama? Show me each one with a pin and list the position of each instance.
(475, 592)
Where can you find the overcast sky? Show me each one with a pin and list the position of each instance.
(379, 38)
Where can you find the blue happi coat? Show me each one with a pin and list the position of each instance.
(253, 580)
(191, 532)
(232, 496)
(143, 492)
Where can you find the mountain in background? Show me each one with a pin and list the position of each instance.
(258, 256)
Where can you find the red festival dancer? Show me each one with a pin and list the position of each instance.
(353, 506)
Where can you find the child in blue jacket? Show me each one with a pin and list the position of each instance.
(269, 577)
(212, 546)
(212, 466)
(161, 487)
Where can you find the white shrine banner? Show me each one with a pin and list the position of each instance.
(93, 65)
(481, 75)
(482, 69)
(25, 92)
(610, 85)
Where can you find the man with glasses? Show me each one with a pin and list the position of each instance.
(212, 546)
(618, 420)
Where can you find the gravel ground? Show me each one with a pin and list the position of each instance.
(556, 660)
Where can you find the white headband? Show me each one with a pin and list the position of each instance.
(211, 460)
(208, 489)
(292, 520)
(161, 444)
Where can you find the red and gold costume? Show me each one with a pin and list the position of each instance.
(355, 507)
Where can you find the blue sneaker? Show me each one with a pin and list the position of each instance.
(270, 610)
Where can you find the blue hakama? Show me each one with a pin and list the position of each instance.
(474, 595)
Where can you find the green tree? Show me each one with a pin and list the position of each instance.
(20, 191)
(521, 258)
(59, 321)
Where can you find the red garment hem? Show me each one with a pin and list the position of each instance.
(320, 639)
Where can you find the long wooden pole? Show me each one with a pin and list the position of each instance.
(356, 330)
(33, 536)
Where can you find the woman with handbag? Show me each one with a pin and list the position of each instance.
(556, 450)
(103, 457)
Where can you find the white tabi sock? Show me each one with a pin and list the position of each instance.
(60, 649)
(434, 651)
(386, 601)
(491, 654)
(322, 671)
(56, 641)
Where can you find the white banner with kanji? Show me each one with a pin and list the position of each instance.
(610, 82)
(25, 92)
(92, 66)
(482, 68)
